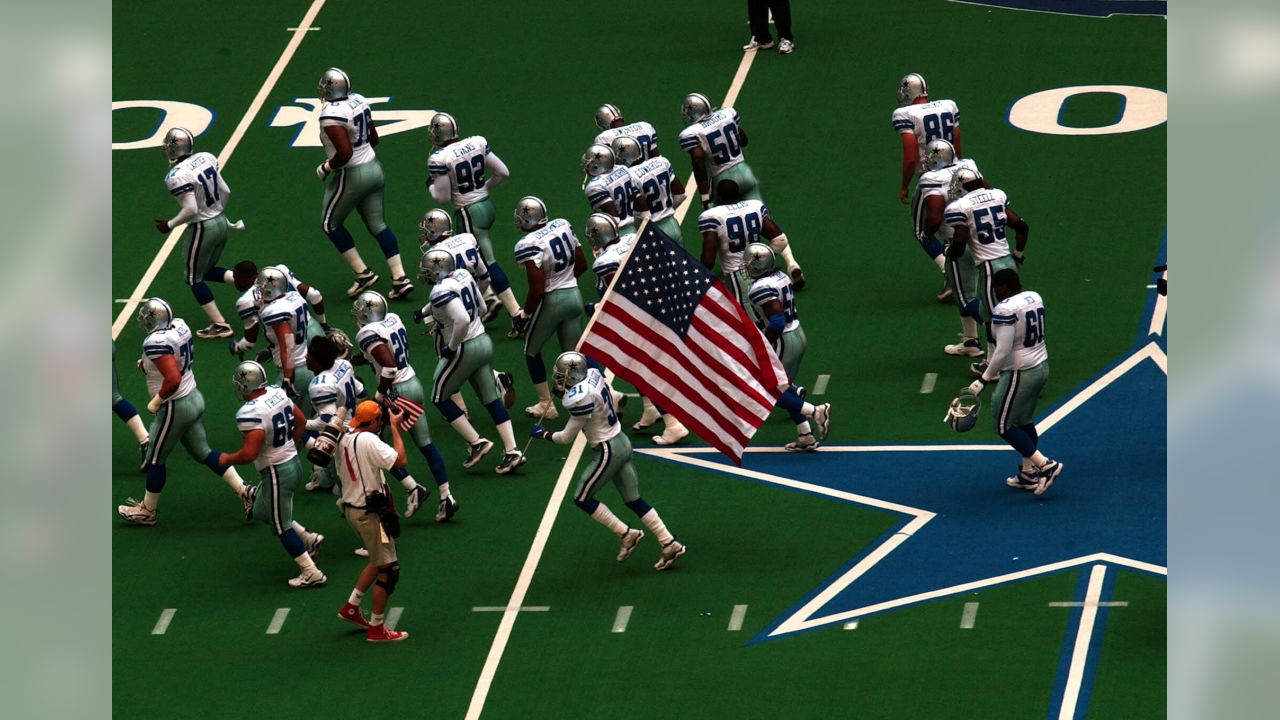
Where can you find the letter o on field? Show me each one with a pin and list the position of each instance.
(1041, 112)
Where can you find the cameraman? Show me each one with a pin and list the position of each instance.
(366, 502)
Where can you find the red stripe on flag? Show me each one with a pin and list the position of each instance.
(764, 355)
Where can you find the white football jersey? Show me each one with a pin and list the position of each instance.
(392, 332)
(719, 136)
(551, 248)
(643, 133)
(198, 174)
(737, 226)
(1018, 322)
(463, 162)
(983, 211)
(247, 306)
(617, 186)
(466, 254)
(608, 261)
(353, 115)
(178, 342)
(593, 400)
(927, 121)
(458, 290)
(938, 182)
(653, 178)
(271, 412)
(775, 286)
(289, 308)
(334, 388)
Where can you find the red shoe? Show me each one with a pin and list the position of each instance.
(353, 614)
(380, 633)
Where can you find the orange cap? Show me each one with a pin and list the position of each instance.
(366, 412)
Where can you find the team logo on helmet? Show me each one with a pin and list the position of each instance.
(627, 151)
(530, 213)
(759, 260)
(960, 179)
(939, 154)
(248, 377)
(154, 314)
(436, 225)
(442, 129)
(272, 284)
(570, 369)
(178, 143)
(334, 85)
(911, 87)
(606, 115)
(435, 266)
(369, 307)
(598, 160)
(695, 107)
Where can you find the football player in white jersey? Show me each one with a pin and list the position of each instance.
(195, 182)
(919, 122)
(613, 126)
(437, 231)
(463, 171)
(611, 188)
(249, 304)
(334, 386)
(727, 230)
(168, 356)
(1021, 363)
(715, 140)
(657, 182)
(284, 314)
(272, 426)
(774, 300)
(384, 342)
(466, 355)
(586, 396)
(611, 248)
(553, 261)
(348, 136)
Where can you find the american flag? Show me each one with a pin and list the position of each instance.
(410, 409)
(670, 328)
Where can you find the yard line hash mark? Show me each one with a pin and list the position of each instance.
(926, 386)
(970, 616)
(162, 625)
(623, 617)
(851, 625)
(277, 621)
(503, 608)
(1101, 603)
(393, 617)
(735, 620)
(820, 387)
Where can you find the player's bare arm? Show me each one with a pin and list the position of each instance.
(910, 156)
(537, 285)
(284, 341)
(171, 377)
(373, 136)
(579, 262)
(188, 212)
(955, 141)
(710, 246)
(251, 445)
(773, 312)
(959, 241)
(299, 428)
(699, 157)
(934, 207)
(381, 353)
(341, 145)
(1021, 229)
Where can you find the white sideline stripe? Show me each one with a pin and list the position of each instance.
(851, 625)
(735, 620)
(970, 616)
(393, 617)
(1088, 615)
(820, 386)
(277, 621)
(166, 617)
(1161, 309)
(514, 609)
(926, 385)
(623, 617)
(490, 669)
(1103, 603)
(223, 158)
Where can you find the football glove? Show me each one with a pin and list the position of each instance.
(323, 170)
(287, 385)
(976, 387)
(540, 432)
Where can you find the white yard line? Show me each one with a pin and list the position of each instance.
(223, 158)
(623, 617)
(820, 387)
(969, 617)
(162, 625)
(735, 620)
(1148, 351)
(277, 621)
(1080, 654)
(393, 617)
(926, 385)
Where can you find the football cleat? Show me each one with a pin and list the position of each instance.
(785, 47)
(978, 368)
(314, 483)
(797, 275)
(967, 347)
(380, 634)
(214, 331)
(630, 539)
(542, 411)
(401, 288)
(803, 443)
(757, 45)
(491, 310)
(137, 513)
(670, 552)
(1024, 480)
(353, 614)
(673, 434)
(476, 451)
(311, 577)
(506, 388)
(648, 418)
(247, 498)
(822, 416)
(417, 498)
(447, 509)
(313, 545)
(511, 461)
(519, 326)
(364, 281)
(1045, 476)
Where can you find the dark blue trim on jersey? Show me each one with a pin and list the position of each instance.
(705, 225)
(689, 143)
(339, 118)
(369, 340)
(154, 350)
(763, 294)
(1004, 319)
(184, 189)
(582, 411)
(522, 255)
(249, 420)
(443, 299)
(278, 318)
(1086, 8)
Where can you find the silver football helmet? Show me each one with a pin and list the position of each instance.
(334, 85)
(938, 154)
(369, 307)
(530, 213)
(272, 284)
(435, 266)
(959, 179)
(627, 151)
(602, 230)
(442, 129)
(571, 368)
(758, 260)
(436, 225)
(963, 413)
(606, 116)
(598, 160)
(178, 143)
(695, 107)
(911, 87)
(154, 314)
(248, 376)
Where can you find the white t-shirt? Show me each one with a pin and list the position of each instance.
(361, 458)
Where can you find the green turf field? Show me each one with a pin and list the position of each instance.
(528, 76)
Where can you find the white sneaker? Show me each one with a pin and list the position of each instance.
(670, 552)
(630, 539)
(447, 509)
(214, 331)
(476, 451)
(137, 513)
(363, 281)
(417, 498)
(311, 577)
(1045, 476)
(1024, 480)
(401, 288)
(672, 435)
(822, 416)
(648, 418)
(804, 443)
(543, 409)
(511, 461)
(313, 546)
(967, 347)
(756, 45)
(362, 552)
(314, 483)
(785, 47)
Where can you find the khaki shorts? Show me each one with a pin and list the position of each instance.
(382, 549)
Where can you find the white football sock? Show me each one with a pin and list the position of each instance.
(803, 428)
(150, 500)
(444, 490)
(788, 258)
(657, 527)
(215, 315)
(139, 430)
(941, 261)
(1027, 465)
(508, 299)
(353, 259)
(357, 595)
(408, 483)
(670, 421)
(306, 535)
(605, 517)
(376, 619)
(233, 480)
(305, 562)
(465, 429)
(507, 432)
(397, 267)
(808, 409)
(544, 392)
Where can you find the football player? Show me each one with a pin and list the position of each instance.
(284, 314)
(195, 182)
(249, 303)
(437, 231)
(127, 413)
(272, 425)
(714, 140)
(611, 188)
(466, 354)
(774, 300)
(978, 218)
(587, 398)
(657, 182)
(1021, 363)
(611, 248)
(168, 355)
(384, 342)
(553, 261)
(334, 385)
(613, 126)
(348, 135)
(464, 171)
(727, 229)
(919, 122)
